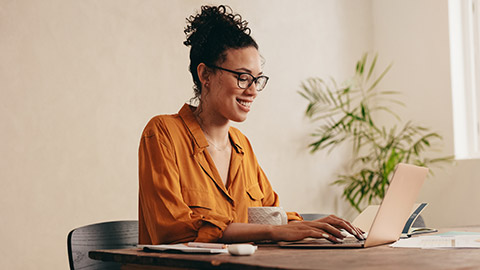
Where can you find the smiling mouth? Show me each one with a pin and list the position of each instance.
(244, 103)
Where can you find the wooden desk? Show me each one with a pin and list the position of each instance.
(272, 257)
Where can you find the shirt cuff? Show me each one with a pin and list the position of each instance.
(294, 216)
(209, 233)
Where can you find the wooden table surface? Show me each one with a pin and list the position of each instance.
(273, 257)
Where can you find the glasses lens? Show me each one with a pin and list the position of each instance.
(244, 80)
(261, 82)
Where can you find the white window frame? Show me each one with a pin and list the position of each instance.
(464, 19)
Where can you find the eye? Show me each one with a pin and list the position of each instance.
(243, 77)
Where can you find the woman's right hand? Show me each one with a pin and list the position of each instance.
(328, 227)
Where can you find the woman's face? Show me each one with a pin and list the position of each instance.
(224, 100)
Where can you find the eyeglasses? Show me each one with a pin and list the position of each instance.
(244, 80)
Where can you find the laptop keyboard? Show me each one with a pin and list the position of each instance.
(351, 240)
(322, 241)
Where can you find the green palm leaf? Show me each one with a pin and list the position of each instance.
(345, 113)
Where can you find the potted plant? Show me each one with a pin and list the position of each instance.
(345, 114)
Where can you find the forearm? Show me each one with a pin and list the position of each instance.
(246, 232)
(327, 227)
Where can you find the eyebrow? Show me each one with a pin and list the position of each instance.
(249, 71)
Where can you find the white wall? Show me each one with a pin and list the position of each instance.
(80, 79)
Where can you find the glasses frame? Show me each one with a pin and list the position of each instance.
(254, 79)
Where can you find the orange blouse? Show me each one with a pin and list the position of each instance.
(181, 195)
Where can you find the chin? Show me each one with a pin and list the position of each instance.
(239, 118)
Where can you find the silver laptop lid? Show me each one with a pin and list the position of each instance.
(397, 204)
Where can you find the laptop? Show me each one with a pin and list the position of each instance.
(391, 216)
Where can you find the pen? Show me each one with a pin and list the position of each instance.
(207, 245)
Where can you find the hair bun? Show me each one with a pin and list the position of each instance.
(213, 21)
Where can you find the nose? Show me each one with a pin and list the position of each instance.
(252, 90)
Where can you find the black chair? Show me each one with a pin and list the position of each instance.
(106, 235)
(312, 216)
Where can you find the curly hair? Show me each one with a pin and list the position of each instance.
(210, 34)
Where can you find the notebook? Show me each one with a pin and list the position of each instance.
(391, 216)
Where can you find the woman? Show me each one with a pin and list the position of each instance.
(198, 175)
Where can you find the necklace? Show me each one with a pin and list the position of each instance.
(219, 149)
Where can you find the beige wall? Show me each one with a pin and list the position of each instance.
(79, 80)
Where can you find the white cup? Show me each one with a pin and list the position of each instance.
(267, 215)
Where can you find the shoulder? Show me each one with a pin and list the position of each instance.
(161, 124)
(239, 138)
(237, 134)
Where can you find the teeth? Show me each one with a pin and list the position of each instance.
(244, 103)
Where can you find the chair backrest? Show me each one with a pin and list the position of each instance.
(312, 216)
(106, 235)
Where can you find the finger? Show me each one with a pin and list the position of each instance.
(355, 231)
(328, 219)
(327, 228)
(318, 233)
(310, 231)
(358, 232)
(343, 224)
(332, 238)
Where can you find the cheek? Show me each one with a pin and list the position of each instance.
(225, 92)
